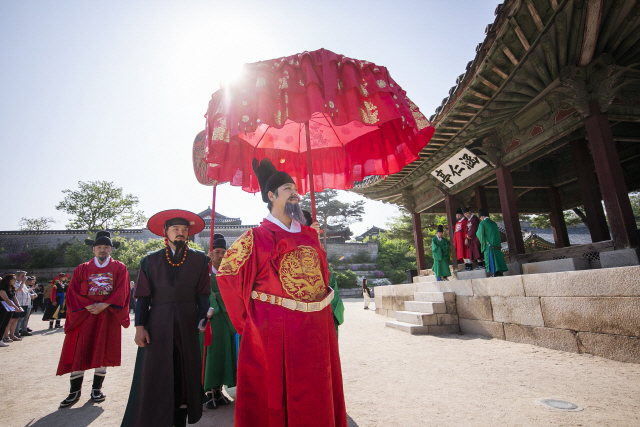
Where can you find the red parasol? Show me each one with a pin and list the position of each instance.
(316, 114)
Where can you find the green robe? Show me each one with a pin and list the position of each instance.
(221, 364)
(440, 251)
(337, 307)
(489, 237)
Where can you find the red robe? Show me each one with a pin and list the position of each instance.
(289, 365)
(474, 243)
(93, 340)
(460, 232)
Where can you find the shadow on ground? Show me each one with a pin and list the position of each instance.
(350, 422)
(82, 416)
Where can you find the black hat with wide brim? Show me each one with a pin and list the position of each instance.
(219, 242)
(269, 178)
(102, 238)
(159, 221)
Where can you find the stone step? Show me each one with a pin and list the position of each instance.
(423, 319)
(426, 307)
(473, 274)
(424, 279)
(428, 287)
(435, 296)
(416, 318)
(423, 330)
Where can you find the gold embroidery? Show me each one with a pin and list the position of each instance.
(331, 105)
(245, 119)
(261, 82)
(237, 255)
(278, 117)
(220, 131)
(283, 81)
(370, 115)
(381, 84)
(363, 88)
(301, 276)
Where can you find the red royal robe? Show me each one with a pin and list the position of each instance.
(93, 340)
(460, 232)
(474, 243)
(289, 366)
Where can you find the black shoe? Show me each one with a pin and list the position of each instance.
(480, 267)
(26, 334)
(58, 326)
(74, 392)
(97, 395)
(219, 397)
(468, 267)
(211, 404)
(29, 330)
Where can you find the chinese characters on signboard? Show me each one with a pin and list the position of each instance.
(458, 167)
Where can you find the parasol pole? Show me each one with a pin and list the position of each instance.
(309, 166)
(213, 220)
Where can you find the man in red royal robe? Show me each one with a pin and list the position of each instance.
(97, 303)
(472, 242)
(274, 282)
(459, 235)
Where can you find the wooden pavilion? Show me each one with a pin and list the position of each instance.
(545, 118)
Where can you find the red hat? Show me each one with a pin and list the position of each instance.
(156, 223)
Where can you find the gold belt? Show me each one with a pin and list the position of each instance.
(293, 304)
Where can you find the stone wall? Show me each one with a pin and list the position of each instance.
(591, 311)
(350, 249)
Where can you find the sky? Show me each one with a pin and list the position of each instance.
(117, 90)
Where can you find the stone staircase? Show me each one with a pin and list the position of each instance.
(430, 313)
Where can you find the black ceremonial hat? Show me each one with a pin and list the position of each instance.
(102, 238)
(459, 211)
(219, 242)
(440, 229)
(482, 212)
(464, 210)
(269, 178)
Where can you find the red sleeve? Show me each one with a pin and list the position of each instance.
(52, 297)
(119, 298)
(236, 276)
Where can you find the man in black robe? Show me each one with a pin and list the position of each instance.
(172, 294)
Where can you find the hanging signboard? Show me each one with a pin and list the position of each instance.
(461, 166)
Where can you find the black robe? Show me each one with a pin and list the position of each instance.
(171, 301)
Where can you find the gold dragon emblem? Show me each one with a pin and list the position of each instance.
(301, 275)
(237, 255)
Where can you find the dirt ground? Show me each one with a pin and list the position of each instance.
(390, 379)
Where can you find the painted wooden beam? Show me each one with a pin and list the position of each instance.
(534, 14)
(472, 105)
(611, 178)
(561, 38)
(550, 55)
(591, 30)
(530, 80)
(624, 29)
(520, 88)
(589, 190)
(513, 97)
(519, 33)
(486, 82)
(554, 4)
(540, 68)
(477, 94)
(609, 25)
(507, 52)
(494, 67)
(576, 31)
(510, 212)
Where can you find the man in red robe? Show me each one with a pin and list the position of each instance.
(459, 235)
(274, 282)
(472, 242)
(97, 303)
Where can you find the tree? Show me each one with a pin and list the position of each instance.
(35, 224)
(331, 211)
(571, 217)
(634, 198)
(401, 228)
(98, 205)
(395, 257)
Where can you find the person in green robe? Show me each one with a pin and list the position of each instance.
(440, 251)
(491, 245)
(220, 364)
(337, 307)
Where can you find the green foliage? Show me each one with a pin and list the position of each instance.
(401, 228)
(98, 205)
(496, 217)
(331, 211)
(634, 198)
(347, 279)
(543, 221)
(395, 256)
(35, 224)
(76, 253)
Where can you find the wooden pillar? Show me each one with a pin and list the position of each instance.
(510, 213)
(612, 185)
(450, 205)
(418, 241)
(559, 227)
(481, 198)
(589, 190)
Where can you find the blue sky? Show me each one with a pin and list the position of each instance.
(117, 90)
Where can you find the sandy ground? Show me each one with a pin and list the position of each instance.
(390, 379)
